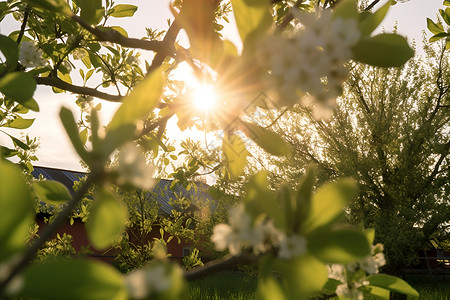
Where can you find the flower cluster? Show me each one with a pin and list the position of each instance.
(353, 275)
(30, 56)
(133, 168)
(311, 60)
(258, 234)
(145, 282)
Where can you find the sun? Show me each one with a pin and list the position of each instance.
(204, 97)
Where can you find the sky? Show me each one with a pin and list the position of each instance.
(55, 149)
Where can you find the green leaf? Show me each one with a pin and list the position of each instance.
(51, 192)
(71, 128)
(370, 234)
(446, 2)
(377, 292)
(6, 152)
(346, 9)
(31, 104)
(298, 275)
(268, 140)
(19, 143)
(10, 51)
(120, 30)
(372, 21)
(91, 10)
(107, 219)
(269, 289)
(328, 202)
(16, 210)
(84, 136)
(73, 279)
(438, 36)
(116, 138)
(253, 19)
(392, 283)
(383, 50)
(140, 102)
(434, 27)
(20, 123)
(123, 10)
(19, 86)
(60, 6)
(445, 14)
(338, 246)
(235, 153)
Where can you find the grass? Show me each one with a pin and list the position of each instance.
(239, 286)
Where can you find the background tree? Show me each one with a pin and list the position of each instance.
(389, 132)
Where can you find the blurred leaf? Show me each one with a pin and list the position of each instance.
(60, 6)
(140, 102)
(31, 104)
(268, 140)
(445, 14)
(346, 9)
(372, 21)
(116, 138)
(269, 289)
(107, 219)
(434, 27)
(20, 123)
(91, 10)
(73, 279)
(338, 246)
(16, 210)
(19, 86)
(84, 136)
(328, 202)
(235, 154)
(71, 128)
(51, 192)
(253, 19)
(10, 51)
(383, 50)
(370, 234)
(392, 283)
(123, 10)
(6, 152)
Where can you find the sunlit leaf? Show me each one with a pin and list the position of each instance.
(377, 292)
(346, 9)
(84, 136)
(434, 27)
(73, 279)
(268, 140)
(392, 283)
(339, 246)
(16, 210)
(328, 203)
(383, 50)
(123, 10)
(71, 128)
(120, 30)
(370, 234)
(20, 123)
(438, 36)
(253, 19)
(445, 14)
(54, 5)
(107, 219)
(51, 192)
(19, 86)
(269, 289)
(91, 10)
(235, 154)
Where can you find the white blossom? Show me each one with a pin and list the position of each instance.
(343, 290)
(133, 168)
(292, 246)
(336, 271)
(30, 56)
(243, 232)
(144, 282)
(311, 60)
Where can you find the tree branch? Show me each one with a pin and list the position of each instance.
(24, 24)
(371, 5)
(60, 84)
(115, 37)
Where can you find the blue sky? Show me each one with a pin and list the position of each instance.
(55, 150)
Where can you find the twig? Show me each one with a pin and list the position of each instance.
(371, 5)
(24, 24)
(49, 231)
(60, 84)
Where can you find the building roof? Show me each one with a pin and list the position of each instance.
(164, 191)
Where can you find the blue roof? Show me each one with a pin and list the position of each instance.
(162, 191)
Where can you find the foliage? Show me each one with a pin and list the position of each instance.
(295, 233)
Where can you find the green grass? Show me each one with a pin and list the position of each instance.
(239, 286)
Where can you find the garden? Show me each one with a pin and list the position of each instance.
(305, 157)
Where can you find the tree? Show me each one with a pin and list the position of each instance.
(293, 232)
(389, 132)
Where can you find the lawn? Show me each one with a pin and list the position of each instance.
(239, 286)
